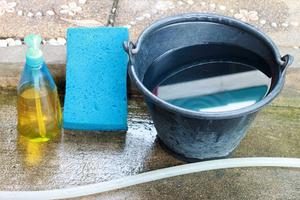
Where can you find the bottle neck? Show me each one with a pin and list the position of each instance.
(34, 63)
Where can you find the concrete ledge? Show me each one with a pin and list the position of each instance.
(16, 54)
(12, 61)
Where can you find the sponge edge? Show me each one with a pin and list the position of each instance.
(96, 73)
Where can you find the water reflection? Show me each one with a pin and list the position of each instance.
(89, 157)
(34, 154)
(214, 87)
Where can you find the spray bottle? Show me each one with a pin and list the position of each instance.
(39, 111)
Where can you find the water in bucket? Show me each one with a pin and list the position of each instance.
(214, 85)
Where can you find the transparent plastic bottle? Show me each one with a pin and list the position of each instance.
(38, 106)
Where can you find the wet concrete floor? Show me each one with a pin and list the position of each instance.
(80, 158)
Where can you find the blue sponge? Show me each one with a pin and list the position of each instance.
(96, 95)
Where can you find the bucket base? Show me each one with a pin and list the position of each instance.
(187, 159)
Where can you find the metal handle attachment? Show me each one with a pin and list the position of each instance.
(287, 61)
(129, 48)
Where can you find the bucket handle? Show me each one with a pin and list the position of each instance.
(129, 47)
(287, 61)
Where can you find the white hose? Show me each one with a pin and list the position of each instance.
(97, 188)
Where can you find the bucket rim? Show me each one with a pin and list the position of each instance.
(215, 18)
(208, 17)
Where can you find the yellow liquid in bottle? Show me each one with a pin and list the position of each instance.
(39, 114)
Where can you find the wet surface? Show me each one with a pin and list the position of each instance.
(77, 158)
(80, 158)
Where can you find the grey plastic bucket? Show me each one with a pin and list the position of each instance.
(202, 135)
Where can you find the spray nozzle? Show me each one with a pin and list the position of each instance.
(34, 55)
